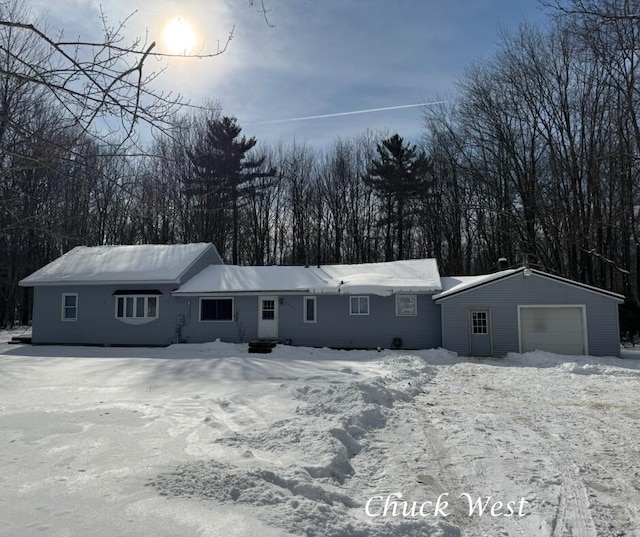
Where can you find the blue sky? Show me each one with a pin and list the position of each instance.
(320, 56)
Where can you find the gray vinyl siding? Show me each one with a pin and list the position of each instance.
(503, 298)
(336, 327)
(209, 257)
(96, 323)
(243, 328)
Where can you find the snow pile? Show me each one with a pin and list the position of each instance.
(7, 334)
(579, 365)
(297, 472)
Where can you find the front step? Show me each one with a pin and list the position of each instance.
(262, 346)
(20, 340)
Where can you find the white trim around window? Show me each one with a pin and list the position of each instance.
(309, 309)
(359, 305)
(221, 298)
(137, 309)
(69, 307)
(406, 306)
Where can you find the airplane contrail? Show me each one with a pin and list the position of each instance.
(350, 113)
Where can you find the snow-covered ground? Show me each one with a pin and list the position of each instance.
(207, 440)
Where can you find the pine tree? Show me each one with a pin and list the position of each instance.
(226, 167)
(397, 175)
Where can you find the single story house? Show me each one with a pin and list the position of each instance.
(163, 294)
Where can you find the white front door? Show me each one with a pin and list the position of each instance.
(268, 317)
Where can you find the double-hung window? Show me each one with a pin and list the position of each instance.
(406, 306)
(310, 309)
(70, 307)
(359, 305)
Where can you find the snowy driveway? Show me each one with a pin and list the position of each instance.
(564, 436)
(206, 440)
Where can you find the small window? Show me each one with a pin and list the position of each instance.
(136, 307)
(129, 306)
(152, 306)
(216, 309)
(359, 305)
(70, 307)
(479, 322)
(268, 310)
(140, 308)
(406, 305)
(310, 309)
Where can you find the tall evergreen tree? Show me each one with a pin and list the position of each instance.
(226, 169)
(397, 175)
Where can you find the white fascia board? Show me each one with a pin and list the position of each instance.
(610, 294)
(98, 282)
(582, 286)
(230, 292)
(439, 298)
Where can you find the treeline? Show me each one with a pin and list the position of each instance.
(535, 160)
(538, 157)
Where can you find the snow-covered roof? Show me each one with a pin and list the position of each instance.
(457, 284)
(138, 263)
(409, 276)
(234, 279)
(412, 276)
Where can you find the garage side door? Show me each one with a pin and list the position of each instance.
(559, 330)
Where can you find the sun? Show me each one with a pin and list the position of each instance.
(179, 36)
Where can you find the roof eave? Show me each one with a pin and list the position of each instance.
(328, 291)
(22, 283)
(609, 294)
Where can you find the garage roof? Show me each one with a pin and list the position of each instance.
(459, 284)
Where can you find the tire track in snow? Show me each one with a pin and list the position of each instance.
(505, 430)
(573, 510)
(589, 441)
(572, 515)
(458, 467)
(610, 484)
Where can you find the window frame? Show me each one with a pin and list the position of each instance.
(264, 302)
(305, 300)
(479, 323)
(134, 317)
(63, 316)
(200, 319)
(359, 298)
(414, 298)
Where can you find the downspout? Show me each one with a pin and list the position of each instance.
(181, 321)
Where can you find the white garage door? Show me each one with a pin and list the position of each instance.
(560, 330)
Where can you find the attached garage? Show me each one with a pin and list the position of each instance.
(557, 329)
(522, 310)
